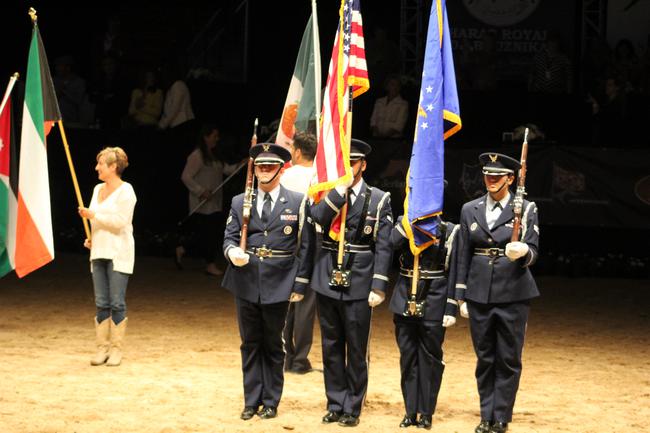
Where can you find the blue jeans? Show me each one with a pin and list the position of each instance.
(110, 291)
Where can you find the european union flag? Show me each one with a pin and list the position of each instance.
(438, 117)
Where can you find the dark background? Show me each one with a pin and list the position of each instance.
(607, 236)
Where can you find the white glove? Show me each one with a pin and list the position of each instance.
(515, 250)
(375, 297)
(238, 257)
(464, 312)
(448, 321)
(296, 297)
(342, 188)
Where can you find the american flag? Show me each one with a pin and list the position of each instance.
(347, 78)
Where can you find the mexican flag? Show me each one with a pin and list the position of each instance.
(302, 106)
(8, 186)
(34, 240)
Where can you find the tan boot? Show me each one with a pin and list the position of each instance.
(117, 336)
(102, 331)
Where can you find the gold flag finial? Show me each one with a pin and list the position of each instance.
(32, 14)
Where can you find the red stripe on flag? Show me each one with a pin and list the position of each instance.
(31, 251)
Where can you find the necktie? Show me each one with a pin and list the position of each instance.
(497, 205)
(266, 208)
(350, 198)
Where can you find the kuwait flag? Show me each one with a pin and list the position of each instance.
(34, 240)
(302, 107)
(8, 186)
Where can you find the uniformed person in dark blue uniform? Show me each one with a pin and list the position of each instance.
(345, 309)
(274, 269)
(494, 279)
(420, 321)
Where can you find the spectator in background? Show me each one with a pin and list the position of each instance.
(390, 112)
(177, 121)
(382, 55)
(552, 70)
(109, 95)
(610, 113)
(177, 108)
(202, 174)
(112, 38)
(70, 91)
(146, 101)
(626, 65)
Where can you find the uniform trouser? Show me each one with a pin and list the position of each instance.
(299, 331)
(262, 354)
(498, 332)
(421, 366)
(345, 329)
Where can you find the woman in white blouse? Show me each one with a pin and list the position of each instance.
(203, 173)
(112, 252)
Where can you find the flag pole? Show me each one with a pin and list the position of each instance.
(74, 176)
(317, 65)
(34, 17)
(10, 87)
(344, 209)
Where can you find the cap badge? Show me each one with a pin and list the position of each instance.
(266, 147)
(493, 158)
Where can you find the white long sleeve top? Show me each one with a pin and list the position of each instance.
(112, 227)
(177, 107)
(199, 177)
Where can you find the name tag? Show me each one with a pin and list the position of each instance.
(289, 217)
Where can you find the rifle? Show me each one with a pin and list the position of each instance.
(249, 194)
(518, 202)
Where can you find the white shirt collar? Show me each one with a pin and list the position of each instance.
(275, 192)
(357, 188)
(490, 202)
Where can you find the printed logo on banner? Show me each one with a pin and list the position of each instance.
(501, 12)
(471, 180)
(642, 190)
(567, 183)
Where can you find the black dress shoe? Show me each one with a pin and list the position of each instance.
(331, 417)
(425, 422)
(408, 421)
(268, 412)
(248, 413)
(499, 427)
(348, 420)
(483, 427)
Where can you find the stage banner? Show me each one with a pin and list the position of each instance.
(573, 186)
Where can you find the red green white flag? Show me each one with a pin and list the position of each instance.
(34, 239)
(8, 185)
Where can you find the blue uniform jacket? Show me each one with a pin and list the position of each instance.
(489, 280)
(369, 270)
(440, 297)
(272, 279)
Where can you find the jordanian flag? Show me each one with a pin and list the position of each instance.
(34, 240)
(8, 186)
(302, 106)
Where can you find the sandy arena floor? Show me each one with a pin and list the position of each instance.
(586, 360)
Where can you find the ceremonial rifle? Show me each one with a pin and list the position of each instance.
(249, 194)
(518, 202)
